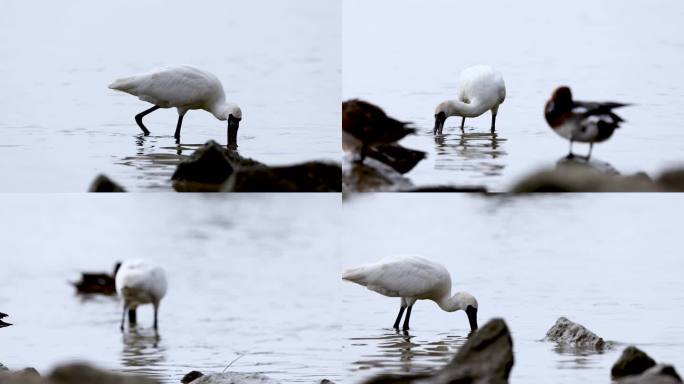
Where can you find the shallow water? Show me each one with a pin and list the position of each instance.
(611, 263)
(248, 275)
(61, 125)
(410, 60)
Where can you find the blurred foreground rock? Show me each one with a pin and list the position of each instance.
(575, 335)
(228, 378)
(213, 168)
(72, 374)
(636, 367)
(578, 175)
(486, 358)
(658, 374)
(103, 183)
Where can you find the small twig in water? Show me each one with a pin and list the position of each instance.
(240, 356)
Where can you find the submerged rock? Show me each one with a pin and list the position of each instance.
(209, 164)
(191, 376)
(103, 183)
(576, 335)
(234, 378)
(633, 361)
(72, 374)
(582, 176)
(399, 158)
(372, 176)
(658, 374)
(486, 358)
(312, 176)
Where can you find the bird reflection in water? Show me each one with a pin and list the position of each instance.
(403, 352)
(143, 353)
(477, 152)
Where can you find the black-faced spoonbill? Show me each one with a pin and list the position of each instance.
(480, 89)
(583, 121)
(413, 278)
(184, 88)
(140, 282)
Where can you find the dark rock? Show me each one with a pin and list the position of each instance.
(103, 183)
(209, 164)
(234, 378)
(658, 374)
(83, 373)
(576, 335)
(486, 358)
(447, 189)
(326, 381)
(190, 376)
(672, 180)
(633, 361)
(401, 159)
(313, 176)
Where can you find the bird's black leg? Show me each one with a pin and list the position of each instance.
(178, 129)
(401, 313)
(493, 122)
(362, 153)
(139, 117)
(591, 146)
(132, 317)
(462, 123)
(408, 317)
(123, 316)
(570, 155)
(156, 310)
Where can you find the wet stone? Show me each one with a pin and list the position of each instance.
(103, 183)
(633, 361)
(567, 332)
(658, 374)
(313, 176)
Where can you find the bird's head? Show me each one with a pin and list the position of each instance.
(233, 114)
(468, 303)
(562, 97)
(441, 114)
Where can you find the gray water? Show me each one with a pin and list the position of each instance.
(61, 125)
(248, 275)
(610, 262)
(406, 55)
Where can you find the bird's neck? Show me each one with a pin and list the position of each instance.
(451, 303)
(459, 108)
(218, 109)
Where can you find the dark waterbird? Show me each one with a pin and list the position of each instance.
(97, 282)
(583, 121)
(2, 323)
(368, 130)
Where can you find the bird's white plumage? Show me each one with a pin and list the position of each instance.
(480, 88)
(403, 276)
(140, 282)
(183, 87)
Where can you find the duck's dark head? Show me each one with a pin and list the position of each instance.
(558, 106)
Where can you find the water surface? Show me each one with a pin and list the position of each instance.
(612, 263)
(61, 125)
(251, 276)
(406, 56)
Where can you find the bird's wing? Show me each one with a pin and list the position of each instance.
(142, 276)
(399, 277)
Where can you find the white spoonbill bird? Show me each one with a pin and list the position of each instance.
(583, 121)
(480, 89)
(140, 282)
(413, 278)
(183, 87)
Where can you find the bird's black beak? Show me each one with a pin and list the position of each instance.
(440, 118)
(233, 125)
(472, 317)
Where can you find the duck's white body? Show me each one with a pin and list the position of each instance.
(412, 278)
(140, 282)
(182, 87)
(481, 88)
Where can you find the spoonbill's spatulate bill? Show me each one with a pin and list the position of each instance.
(2, 323)
(583, 121)
(413, 278)
(183, 87)
(481, 88)
(140, 282)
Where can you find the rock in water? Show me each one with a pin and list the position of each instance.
(191, 376)
(567, 332)
(633, 361)
(72, 374)
(486, 358)
(234, 378)
(658, 374)
(103, 183)
(401, 159)
(313, 176)
(209, 164)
